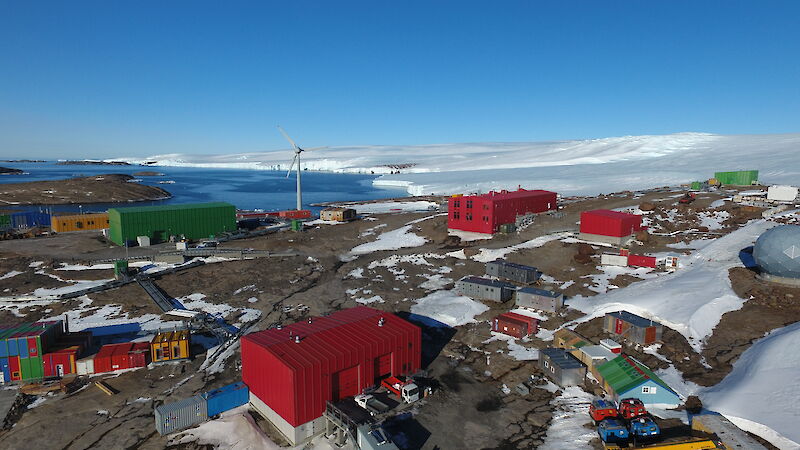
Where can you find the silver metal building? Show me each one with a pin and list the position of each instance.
(561, 367)
(485, 289)
(182, 414)
(632, 328)
(541, 299)
(519, 273)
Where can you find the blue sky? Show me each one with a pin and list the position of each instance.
(105, 79)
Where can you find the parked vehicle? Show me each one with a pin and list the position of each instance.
(371, 404)
(371, 437)
(630, 408)
(687, 198)
(602, 409)
(407, 390)
(612, 430)
(644, 427)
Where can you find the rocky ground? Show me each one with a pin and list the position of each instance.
(470, 408)
(106, 188)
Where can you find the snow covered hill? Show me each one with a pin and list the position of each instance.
(568, 167)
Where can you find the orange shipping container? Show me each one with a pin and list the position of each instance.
(170, 345)
(80, 222)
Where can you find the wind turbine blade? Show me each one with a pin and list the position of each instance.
(288, 172)
(314, 148)
(288, 138)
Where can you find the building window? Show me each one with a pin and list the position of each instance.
(469, 203)
(648, 390)
(485, 207)
(469, 216)
(456, 215)
(486, 219)
(546, 365)
(552, 369)
(456, 203)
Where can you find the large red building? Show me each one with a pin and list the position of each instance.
(292, 371)
(605, 225)
(485, 213)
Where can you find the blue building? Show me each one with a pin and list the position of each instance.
(625, 377)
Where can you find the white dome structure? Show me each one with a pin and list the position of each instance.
(777, 253)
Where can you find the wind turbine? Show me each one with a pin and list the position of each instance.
(296, 159)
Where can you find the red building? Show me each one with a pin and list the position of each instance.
(294, 370)
(485, 213)
(516, 325)
(127, 355)
(609, 226)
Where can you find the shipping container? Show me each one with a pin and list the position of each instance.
(293, 371)
(80, 222)
(30, 219)
(641, 261)
(338, 214)
(296, 225)
(541, 299)
(23, 347)
(486, 213)
(5, 371)
(737, 178)
(120, 267)
(561, 367)
(119, 357)
(516, 325)
(630, 327)
(226, 398)
(85, 366)
(782, 193)
(485, 289)
(102, 360)
(159, 223)
(170, 345)
(696, 185)
(605, 222)
(613, 260)
(519, 273)
(295, 214)
(61, 362)
(176, 416)
(139, 355)
(5, 221)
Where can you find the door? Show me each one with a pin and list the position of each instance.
(650, 335)
(60, 370)
(383, 367)
(345, 383)
(618, 326)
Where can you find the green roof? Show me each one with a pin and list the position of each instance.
(139, 209)
(624, 373)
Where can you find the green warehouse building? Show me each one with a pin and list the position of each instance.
(192, 221)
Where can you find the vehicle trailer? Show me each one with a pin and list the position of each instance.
(613, 430)
(602, 409)
(703, 444)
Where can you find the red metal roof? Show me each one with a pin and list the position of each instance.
(521, 193)
(328, 337)
(611, 214)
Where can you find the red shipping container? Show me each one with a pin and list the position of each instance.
(13, 367)
(139, 355)
(605, 222)
(641, 261)
(295, 214)
(103, 359)
(61, 362)
(516, 325)
(296, 369)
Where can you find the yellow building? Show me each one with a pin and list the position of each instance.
(80, 222)
(170, 345)
(568, 339)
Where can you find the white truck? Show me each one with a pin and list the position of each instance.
(373, 406)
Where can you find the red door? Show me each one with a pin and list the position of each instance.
(13, 366)
(618, 326)
(383, 366)
(650, 335)
(345, 383)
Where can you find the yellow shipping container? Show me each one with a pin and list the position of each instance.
(80, 222)
(170, 345)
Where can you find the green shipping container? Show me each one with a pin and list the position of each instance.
(5, 221)
(297, 225)
(737, 178)
(696, 185)
(120, 267)
(193, 221)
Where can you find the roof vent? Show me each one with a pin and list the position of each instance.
(309, 320)
(381, 321)
(279, 326)
(297, 339)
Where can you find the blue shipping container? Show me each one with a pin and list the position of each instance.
(226, 398)
(109, 330)
(30, 219)
(12, 347)
(22, 346)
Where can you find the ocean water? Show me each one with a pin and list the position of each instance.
(247, 189)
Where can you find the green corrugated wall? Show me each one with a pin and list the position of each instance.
(5, 220)
(737, 178)
(195, 221)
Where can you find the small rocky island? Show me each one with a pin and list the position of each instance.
(10, 171)
(92, 163)
(106, 188)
